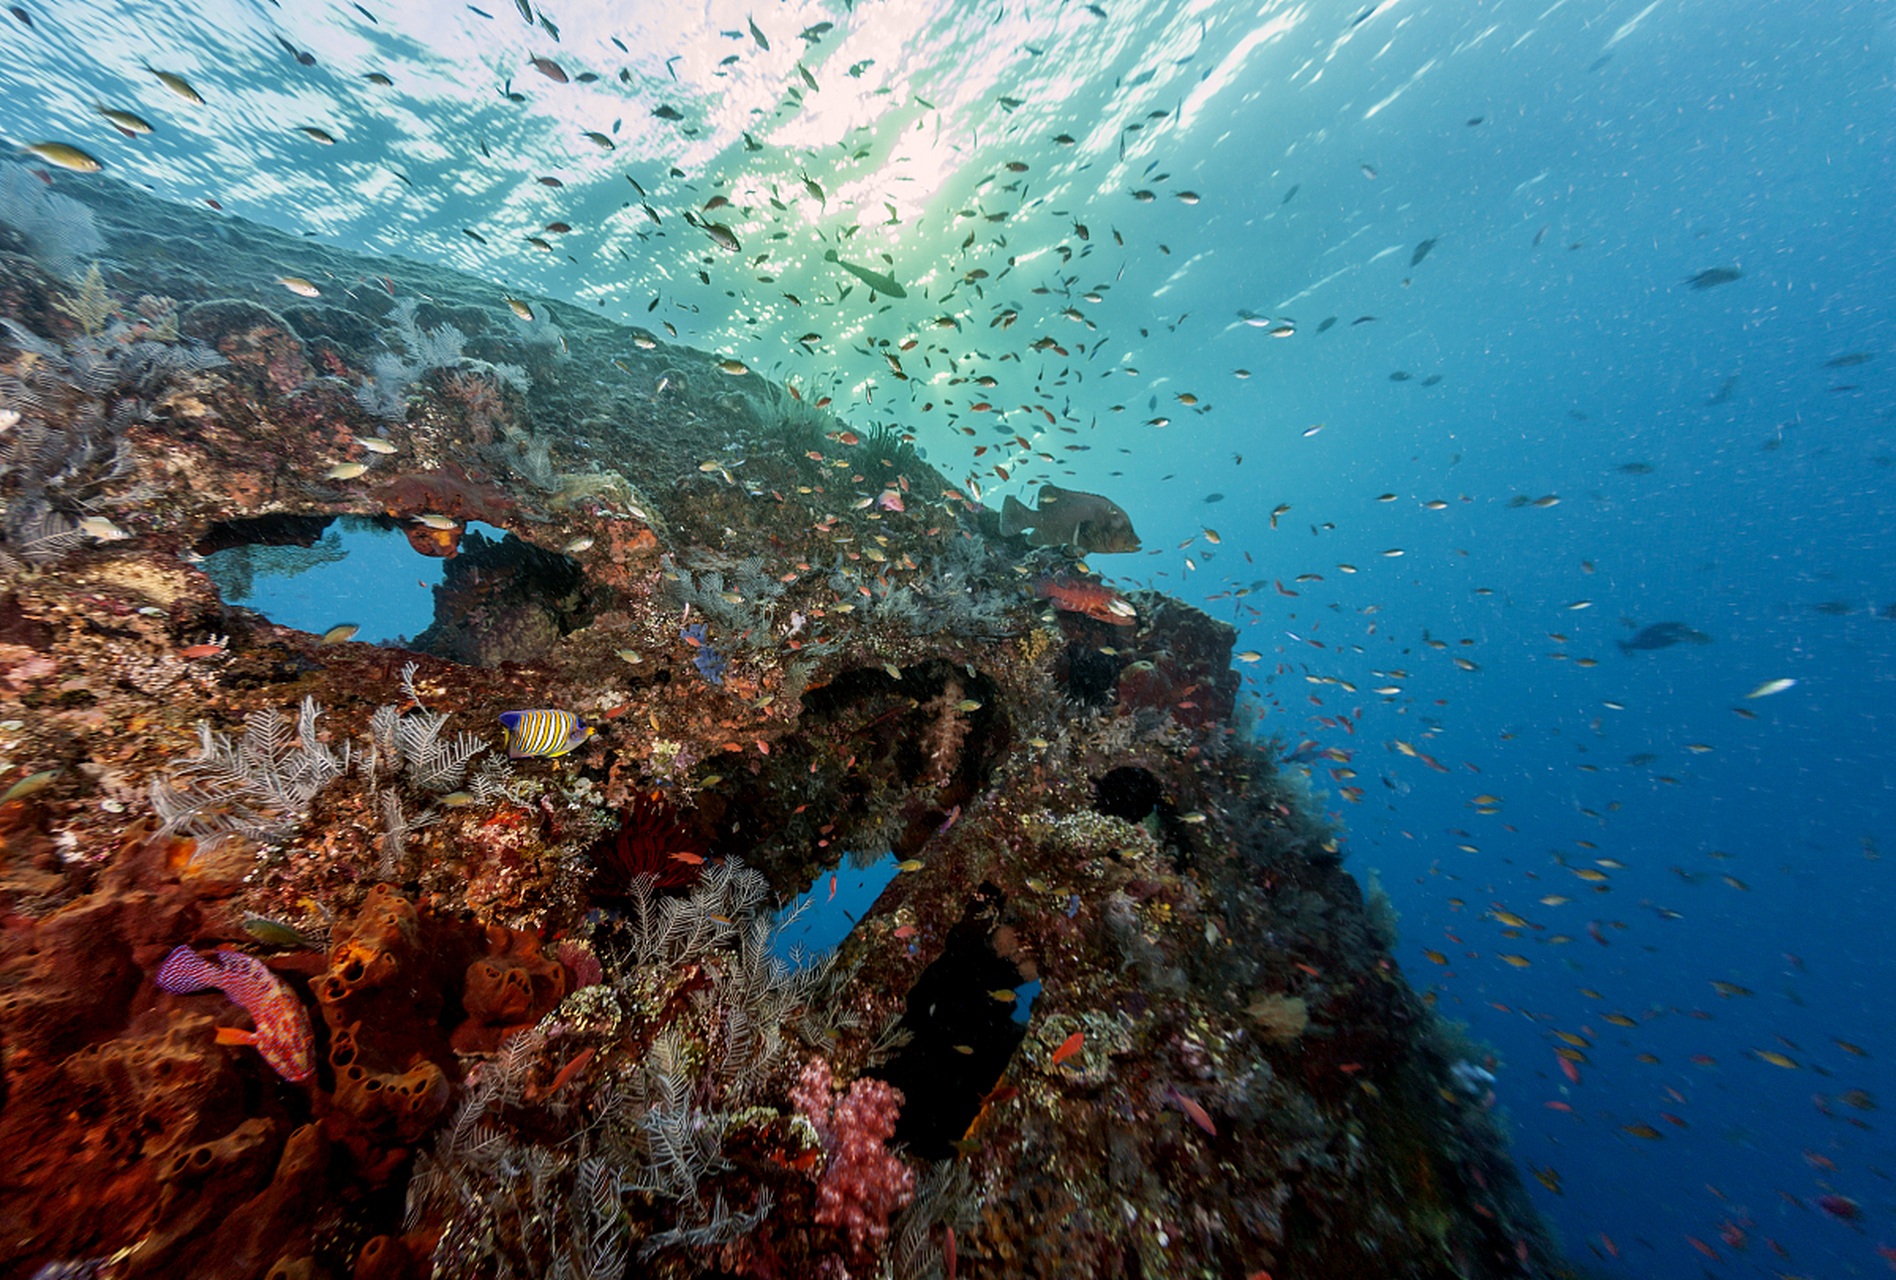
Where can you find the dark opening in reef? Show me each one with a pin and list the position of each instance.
(1089, 675)
(279, 530)
(1128, 792)
(505, 601)
(648, 841)
(963, 1035)
(889, 756)
(1136, 795)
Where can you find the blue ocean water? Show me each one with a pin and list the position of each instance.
(1515, 198)
(359, 574)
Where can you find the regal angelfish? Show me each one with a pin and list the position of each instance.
(543, 733)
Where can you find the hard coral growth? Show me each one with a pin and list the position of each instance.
(450, 491)
(414, 351)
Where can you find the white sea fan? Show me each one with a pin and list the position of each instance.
(58, 230)
(260, 786)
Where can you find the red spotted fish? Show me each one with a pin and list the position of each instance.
(543, 733)
(282, 1035)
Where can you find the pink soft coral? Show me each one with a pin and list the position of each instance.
(861, 1183)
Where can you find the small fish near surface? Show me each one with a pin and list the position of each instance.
(65, 155)
(1093, 599)
(1663, 635)
(1066, 517)
(282, 1035)
(887, 286)
(1712, 277)
(543, 733)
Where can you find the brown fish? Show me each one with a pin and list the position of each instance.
(1086, 522)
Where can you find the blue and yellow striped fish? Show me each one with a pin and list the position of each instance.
(543, 733)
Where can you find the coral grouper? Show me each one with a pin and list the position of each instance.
(282, 1035)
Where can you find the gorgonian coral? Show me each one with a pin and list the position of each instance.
(652, 839)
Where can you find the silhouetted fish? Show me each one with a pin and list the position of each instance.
(1713, 276)
(1066, 517)
(1663, 635)
(885, 285)
(1422, 251)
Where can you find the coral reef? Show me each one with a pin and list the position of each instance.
(397, 979)
(557, 1027)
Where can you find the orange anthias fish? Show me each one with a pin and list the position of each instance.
(1197, 1114)
(1089, 598)
(282, 1035)
(1069, 1047)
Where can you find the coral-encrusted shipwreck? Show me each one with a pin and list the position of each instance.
(554, 1033)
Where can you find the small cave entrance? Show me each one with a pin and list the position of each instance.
(1136, 795)
(963, 1036)
(467, 592)
(882, 762)
(1128, 793)
(1089, 677)
(506, 600)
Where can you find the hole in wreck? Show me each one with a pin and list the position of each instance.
(1088, 675)
(473, 594)
(1128, 792)
(963, 1035)
(1136, 795)
(827, 919)
(921, 741)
